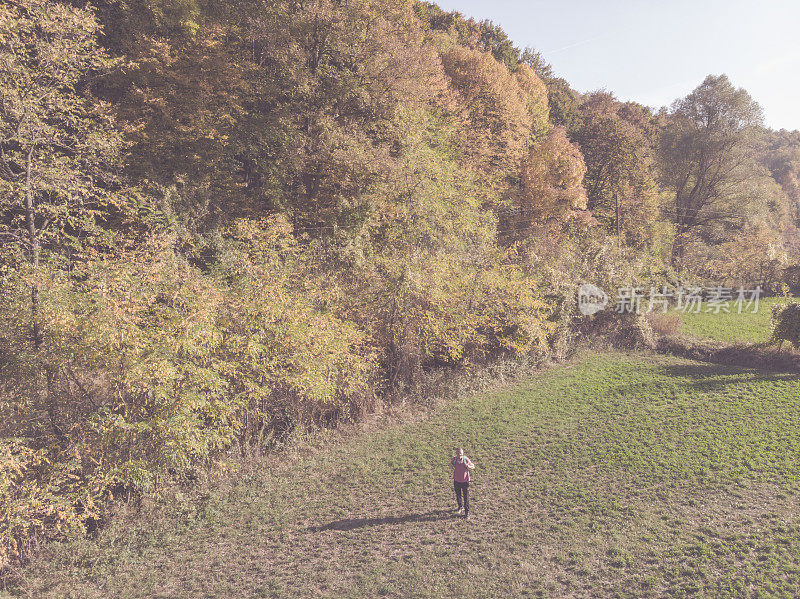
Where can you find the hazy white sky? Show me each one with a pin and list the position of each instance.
(656, 51)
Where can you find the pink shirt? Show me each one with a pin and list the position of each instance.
(461, 469)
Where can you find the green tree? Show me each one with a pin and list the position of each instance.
(484, 35)
(496, 41)
(704, 159)
(534, 59)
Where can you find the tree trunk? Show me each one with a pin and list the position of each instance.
(36, 327)
(678, 248)
(33, 243)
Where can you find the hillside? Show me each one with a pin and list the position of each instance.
(616, 475)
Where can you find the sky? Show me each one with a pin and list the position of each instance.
(653, 52)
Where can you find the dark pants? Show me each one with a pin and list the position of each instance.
(462, 488)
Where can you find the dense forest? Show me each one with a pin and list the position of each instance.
(222, 222)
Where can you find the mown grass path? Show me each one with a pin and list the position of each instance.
(619, 475)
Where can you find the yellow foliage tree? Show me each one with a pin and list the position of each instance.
(552, 180)
(498, 123)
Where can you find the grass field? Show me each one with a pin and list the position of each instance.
(731, 327)
(617, 476)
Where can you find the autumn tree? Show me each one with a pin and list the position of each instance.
(498, 114)
(187, 84)
(536, 99)
(321, 130)
(57, 147)
(615, 139)
(564, 101)
(427, 277)
(533, 173)
(704, 160)
(552, 180)
(781, 155)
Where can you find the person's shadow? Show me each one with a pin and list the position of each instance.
(353, 523)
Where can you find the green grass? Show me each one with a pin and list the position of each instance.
(731, 327)
(618, 476)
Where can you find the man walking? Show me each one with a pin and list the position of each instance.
(461, 467)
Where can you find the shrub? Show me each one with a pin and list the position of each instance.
(31, 510)
(664, 324)
(153, 369)
(786, 324)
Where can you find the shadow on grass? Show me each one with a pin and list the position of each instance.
(354, 523)
(708, 377)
